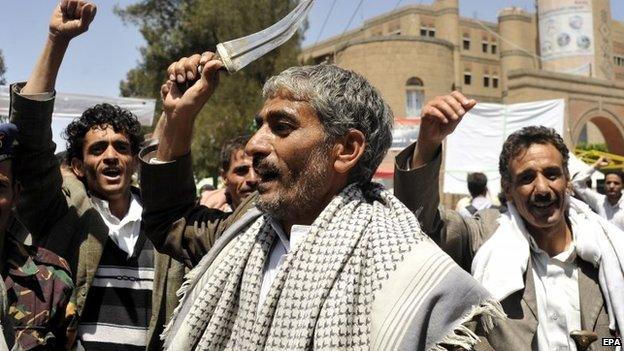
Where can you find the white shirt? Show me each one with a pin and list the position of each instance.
(479, 202)
(278, 253)
(125, 231)
(558, 299)
(598, 202)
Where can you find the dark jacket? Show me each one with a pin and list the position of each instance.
(173, 220)
(461, 238)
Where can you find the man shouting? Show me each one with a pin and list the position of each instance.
(321, 256)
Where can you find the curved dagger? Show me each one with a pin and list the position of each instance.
(238, 53)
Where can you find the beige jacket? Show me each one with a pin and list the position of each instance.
(461, 238)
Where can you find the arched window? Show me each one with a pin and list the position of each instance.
(414, 97)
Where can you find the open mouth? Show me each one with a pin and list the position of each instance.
(266, 172)
(544, 206)
(112, 173)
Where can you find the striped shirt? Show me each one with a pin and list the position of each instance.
(118, 308)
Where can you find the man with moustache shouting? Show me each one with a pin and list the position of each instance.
(320, 257)
(556, 266)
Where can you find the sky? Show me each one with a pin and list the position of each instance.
(96, 61)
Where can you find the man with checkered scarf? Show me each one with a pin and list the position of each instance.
(320, 257)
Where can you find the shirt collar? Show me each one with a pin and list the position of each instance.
(617, 204)
(567, 255)
(133, 215)
(297, 233)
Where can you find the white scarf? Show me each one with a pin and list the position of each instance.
(501, 262)
(364, 246)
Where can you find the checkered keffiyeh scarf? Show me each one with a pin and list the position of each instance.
(324, 294)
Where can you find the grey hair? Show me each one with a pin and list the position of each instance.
(342, 100)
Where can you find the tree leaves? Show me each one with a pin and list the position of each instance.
(179, 28)
(2, 69)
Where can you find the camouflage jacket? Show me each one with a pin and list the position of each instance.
(39, 288)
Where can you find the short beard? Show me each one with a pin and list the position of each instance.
(304, 188)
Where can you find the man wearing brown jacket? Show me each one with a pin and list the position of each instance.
(125, 290)
(554, 265)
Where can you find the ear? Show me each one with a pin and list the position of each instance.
(222, 175)
(77, 167)
(507, 191)
(348, 150)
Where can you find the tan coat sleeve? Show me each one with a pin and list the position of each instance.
(419, 190)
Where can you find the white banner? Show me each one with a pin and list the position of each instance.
(566, 29)
(69, 106)
(477, 142)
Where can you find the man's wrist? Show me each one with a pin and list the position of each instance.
(57, 41)
(424, 152)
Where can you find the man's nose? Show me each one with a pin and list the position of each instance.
(542, 187)
(110, 154)
(252, 178)
(259, 144)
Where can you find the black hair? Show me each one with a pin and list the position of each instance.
(230, 146)
(521, 140)
(99, 116)
(477, 184)
(617, 172)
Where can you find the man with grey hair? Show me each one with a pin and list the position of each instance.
(320, 257)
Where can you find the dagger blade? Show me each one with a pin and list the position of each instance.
(238, 53)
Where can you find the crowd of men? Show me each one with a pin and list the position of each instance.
(300, 249)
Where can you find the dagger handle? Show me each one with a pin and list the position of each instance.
(182, 87)
(583, 338)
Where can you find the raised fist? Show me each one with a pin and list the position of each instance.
(198, 86)
(441, 115)
(601, 162)
(71, 18)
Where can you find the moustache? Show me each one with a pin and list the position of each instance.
(264, 168)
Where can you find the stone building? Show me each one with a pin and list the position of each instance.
(417, 52)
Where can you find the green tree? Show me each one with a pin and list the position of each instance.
(2, 69)
(590, 147)
(178, 28)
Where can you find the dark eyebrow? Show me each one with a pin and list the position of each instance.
(283, 115)
(553, 169)
(525, 172)
(121, 142)
(98, 143)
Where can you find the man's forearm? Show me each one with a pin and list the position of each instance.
(418, 188)
(424, 153)
(579, 179)
(174, 139)
(43, 77)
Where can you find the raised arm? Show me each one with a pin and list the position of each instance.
(416, 179)
(587, 194)
(171, 217)
(36, 167)
(69, 19)
(440, 117)
(182, 107)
